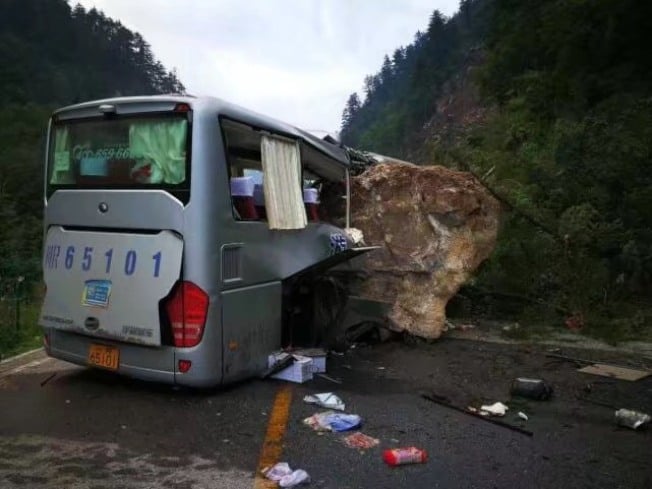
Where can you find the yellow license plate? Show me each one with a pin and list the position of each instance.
(104, 356)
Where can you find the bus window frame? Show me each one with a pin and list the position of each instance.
(263, 130)
(181, 191)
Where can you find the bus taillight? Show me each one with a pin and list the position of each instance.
(186, 310)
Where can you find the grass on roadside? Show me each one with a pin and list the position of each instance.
(27, 336)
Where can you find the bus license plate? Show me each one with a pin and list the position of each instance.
(104, 356)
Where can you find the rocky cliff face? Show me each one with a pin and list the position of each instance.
(435, 226)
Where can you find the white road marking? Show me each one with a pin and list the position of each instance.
(20, 368)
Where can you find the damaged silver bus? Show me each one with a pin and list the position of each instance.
(181, 236)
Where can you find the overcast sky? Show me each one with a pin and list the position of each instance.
(296, 60)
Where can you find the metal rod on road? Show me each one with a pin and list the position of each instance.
(442, 402)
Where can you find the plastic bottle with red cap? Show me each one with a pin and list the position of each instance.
(403, 456)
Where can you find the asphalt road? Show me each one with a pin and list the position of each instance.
(89, 429)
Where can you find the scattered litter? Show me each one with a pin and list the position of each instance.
(343, 422)
(615, 372)
(583, 361)
(277, 472)
(317, 355)
(443, 401)
(318, 421)
(360, 440)
(337, 353)
(332, 421)
(67, 401)
(328, 377)
(380, 368)
(276, 362)
(522, 415)
(631, 419)
(495, 409)
(624, 417)
(511, 327)
(300, 371)
(285, 476)
(297, 477)
(327, 400)
(531, 389)
(402, 456)
(124, 427)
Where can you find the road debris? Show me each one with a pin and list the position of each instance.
(48, 379)
(296, 478)
(285, 476)
(317, 355)
(326, 400)
(522, 415)
(277, 472)
(531, 388)
(583, 361)
(403, 456)
(615, 372)
(360, 440)
(328, 377)
(443, 401)
(332, 421)
(624, 417)
(300, 371)
(631, 419)
(495, 409)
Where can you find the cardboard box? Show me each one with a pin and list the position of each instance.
(300, 371)
(318, 357)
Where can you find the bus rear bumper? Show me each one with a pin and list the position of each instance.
(136, 361)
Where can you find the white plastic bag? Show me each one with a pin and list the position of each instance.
(295, 478)
(278, 471)
(327, 400)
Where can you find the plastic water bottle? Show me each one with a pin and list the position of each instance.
(402, 456)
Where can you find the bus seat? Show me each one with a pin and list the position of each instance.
(259, 201)
(311, 201)
(242, 193)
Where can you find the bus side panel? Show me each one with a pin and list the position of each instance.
(251, 318)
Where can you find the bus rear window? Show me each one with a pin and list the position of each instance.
(119, 153)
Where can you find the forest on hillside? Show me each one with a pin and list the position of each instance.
(52, 54)
(564, 141)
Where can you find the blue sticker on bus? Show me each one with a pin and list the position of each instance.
(96, 293)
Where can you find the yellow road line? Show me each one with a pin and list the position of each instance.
(273, 443)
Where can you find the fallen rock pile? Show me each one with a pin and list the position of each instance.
(435, 226)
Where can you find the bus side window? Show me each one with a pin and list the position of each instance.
(245, 171)
(247, 196)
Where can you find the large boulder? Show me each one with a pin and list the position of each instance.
(435, 226)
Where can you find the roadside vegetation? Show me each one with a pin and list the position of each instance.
(51, 55)
(565, 143)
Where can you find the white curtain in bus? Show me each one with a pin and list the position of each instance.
(282, 183)
(161, 144)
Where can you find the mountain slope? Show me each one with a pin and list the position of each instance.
(549, 104)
